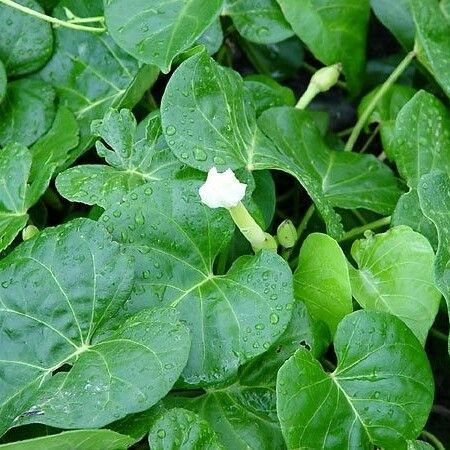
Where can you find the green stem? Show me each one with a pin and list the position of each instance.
(99, 19)
(307, 97)
(355, 232)
(433, 439)
(50, 19)
(439, 335)
(304, 223)
(371, 106)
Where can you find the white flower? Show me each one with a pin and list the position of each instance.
(222, 190)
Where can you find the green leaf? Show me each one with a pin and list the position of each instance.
(396, 275)
(182, 429)
(380, 393)
(434, 195)
(332, 178)
(419, 445)
(259, 21)
(212, 37)
(267, 93)
(209, 120)
(131, 162)
(74, 440)
(15, 164)
(334, 30)
(76, 272)
(156, 31)
(91, 73)
(433, 39)
(27, 111)
(232, 317)
(3, 81)
(27, 42)
(386, 111)
(322, 280)
(422, 140)
(397, 18)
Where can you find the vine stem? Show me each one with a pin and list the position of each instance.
(433, 439)
(368, 226)
(50, 19)
(371, 106)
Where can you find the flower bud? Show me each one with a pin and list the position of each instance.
(326, 77)
(222, 190)
(287, 234)
(29, 232)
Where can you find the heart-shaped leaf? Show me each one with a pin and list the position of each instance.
(433, 39)
(232, 317)
(334, 30)
(91, 73)
(434, 195)
(259, 21)
(27, 111)
(84, 279)
(322, 280)
(156, 31)
(396, 275)
(380, 393)
(78, 439)
(27, 41)
(182, 429)
(209, 120)
(131, 162)
(421, 143)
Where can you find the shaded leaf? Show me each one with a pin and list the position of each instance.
(76, 272)
(433, 39)
(27, 42)
(27, 111)
(396, 275)
(212, 37)
(259, 21)
(155, 32)
(232, 317)
(131, 162)
(380, 393)
(3, 81)
(434, 195)
(182, 429)
(334, 30)
(74, 440)
(397, 18)
(322, 280)
(91, 73)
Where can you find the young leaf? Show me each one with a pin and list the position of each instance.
(396, 275)
(421, 143)
(76, 272)
(131, 162)
(232, 317)
(259, 21)
(91, 73)
(78, 439)
(433, 39)
(380, 393)
(27, 42)
(267, 93)
(27, 111)
(335, 32)
(397, 18)
(3, 81)
(156, 31)
(386, 111)
(322, 280)
(434, 195)
(182, 429)
(209, 120)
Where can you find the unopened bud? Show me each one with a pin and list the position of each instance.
(287, 234)
(327, 77)
(29, 232)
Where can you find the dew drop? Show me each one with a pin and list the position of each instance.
(171, 130)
